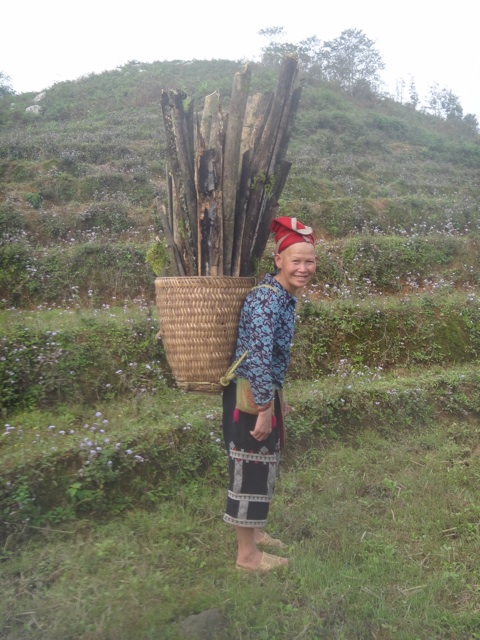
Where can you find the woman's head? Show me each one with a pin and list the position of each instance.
(295, 258)
(289, 231)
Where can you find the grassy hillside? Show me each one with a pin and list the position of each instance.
(93, 161)
(89, 171)
(112, 480)
(392, 194)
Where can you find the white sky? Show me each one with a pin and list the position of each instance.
(47, 41)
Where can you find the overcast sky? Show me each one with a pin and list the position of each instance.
(47, 41)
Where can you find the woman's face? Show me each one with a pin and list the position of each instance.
(296, 266)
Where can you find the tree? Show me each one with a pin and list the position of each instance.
(471, 122)
(311, 55)
(451, 106)
(309, 51)
(6, 88)
(442, 102)
(399, 89)
(414, 99)
(433, 104)
(274, 52)
(352, 58)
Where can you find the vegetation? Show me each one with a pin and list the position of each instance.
(5, 84)
(112, 479)
(383, 535)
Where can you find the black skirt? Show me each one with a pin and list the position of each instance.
(252, 465)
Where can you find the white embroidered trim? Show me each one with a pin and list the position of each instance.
(251, 497)
(243, 523)
(254, 457)
(306, 231)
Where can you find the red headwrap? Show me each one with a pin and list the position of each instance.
(289, 231)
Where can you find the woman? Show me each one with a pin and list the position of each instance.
(252, 403)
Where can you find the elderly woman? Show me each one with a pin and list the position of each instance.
(252, 402)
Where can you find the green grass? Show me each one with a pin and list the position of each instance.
(383, 536)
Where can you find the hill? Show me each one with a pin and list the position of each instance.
(392, 194)
(88, 169)
(382, 458)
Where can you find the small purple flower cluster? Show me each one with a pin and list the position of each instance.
(94, 447)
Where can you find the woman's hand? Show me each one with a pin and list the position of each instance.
(263, 425)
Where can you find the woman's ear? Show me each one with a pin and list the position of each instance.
(277, 258)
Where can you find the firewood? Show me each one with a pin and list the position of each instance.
(263, 178)
(231, 166)
(173, 253)
(226, 173)
(210, 119)
(208, 167)
(179, 151)
(258, 107)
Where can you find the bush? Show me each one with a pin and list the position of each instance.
(34, 199)
(93, 273)
(89, 358)
(388, 261)
(12, 223)
(426, 330)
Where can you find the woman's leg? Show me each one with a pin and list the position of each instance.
(248, 554)
(252, 471)
(250, 557)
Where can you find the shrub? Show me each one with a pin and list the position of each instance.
(425, 330)
(94, 273)
(12, 223)
(91, 357)
(57, 187)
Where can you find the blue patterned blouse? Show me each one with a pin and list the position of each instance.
(266, 331)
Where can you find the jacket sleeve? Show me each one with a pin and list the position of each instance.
(263, 321)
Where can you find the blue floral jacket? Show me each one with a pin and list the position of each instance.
(265, 331)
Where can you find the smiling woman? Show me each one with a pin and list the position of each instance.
(253, 405)
(296, 266)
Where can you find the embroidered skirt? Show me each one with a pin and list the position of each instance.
(252, 466)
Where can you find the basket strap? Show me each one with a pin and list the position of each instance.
(230, 373)
(266, 286)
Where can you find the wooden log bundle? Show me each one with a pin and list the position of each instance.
(226, 173)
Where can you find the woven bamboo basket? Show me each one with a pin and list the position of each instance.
(198, 326)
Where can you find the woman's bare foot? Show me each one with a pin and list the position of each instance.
(267, 563)
(251, 561)
(262, 539)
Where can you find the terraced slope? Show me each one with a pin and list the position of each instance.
(387, 335)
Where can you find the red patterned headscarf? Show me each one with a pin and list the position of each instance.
(288, 231)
